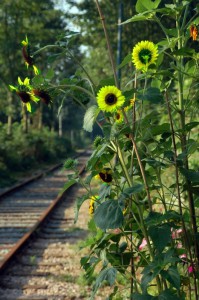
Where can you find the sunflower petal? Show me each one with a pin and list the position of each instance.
(28, 105)
(20, 81)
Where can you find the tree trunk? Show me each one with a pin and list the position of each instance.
(60, 124)
(24, 119)
(40, 116)
(9, 119)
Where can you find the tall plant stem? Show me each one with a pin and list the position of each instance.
(178, 190)
(108, 43)
(70, 53)
(82, 67)
(132, 259)
(121, 158)
(75, 87)
(183, 138)
(146, 235)
(140, 164)
(120, 155)
(134, 110)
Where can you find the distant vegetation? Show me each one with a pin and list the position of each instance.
(48, 133)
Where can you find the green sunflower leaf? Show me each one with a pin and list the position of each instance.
(170, 295)
(67, 185)
(90, 117)
(140, 17)
(125, 61)
(137, 296)
(106, 81)
(108, 215)
(191, 175)
(78, 204)
(142, 6)
(50, 74)
(172, 276)
(38, 80)
(152, 95)
(160, 235)
(185, 51)
(107, 274)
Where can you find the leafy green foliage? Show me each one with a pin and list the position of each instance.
(146, 5)
(109, 215)
(107, 274)
(78, 204)
(172, 275)
(68, 184)
(152, 94)
(160, 235)
(30, 150)
(137, 296)
(144, 226)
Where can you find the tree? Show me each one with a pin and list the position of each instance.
(42, 24)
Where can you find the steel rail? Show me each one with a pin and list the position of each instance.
(8, 257)
(30, 179)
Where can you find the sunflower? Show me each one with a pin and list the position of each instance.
(109, 98)
(144, 54)
(119, 117)
(92, 204)
(106, 175)
(28, 58)
(23, 90)
(193, 32)
(43, 95)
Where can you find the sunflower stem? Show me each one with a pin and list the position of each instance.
(44, 48)
(82, 67)
(140, 163)
(184, 139)
(77, 87)
(121, 158)
(178, 191)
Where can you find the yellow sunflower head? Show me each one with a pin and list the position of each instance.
(144, 54)
(92, 204)
(130, 106)
(23, 90)
(109, 98)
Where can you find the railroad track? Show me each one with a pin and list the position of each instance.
(34, 230)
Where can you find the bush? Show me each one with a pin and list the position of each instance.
(21, 151)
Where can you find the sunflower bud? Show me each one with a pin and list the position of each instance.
(193, 32)
(70, 164)
(98, 141)
(26, 55)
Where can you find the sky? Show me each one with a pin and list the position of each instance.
(62, 4)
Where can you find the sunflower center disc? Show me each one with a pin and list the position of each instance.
(145, 56)
(110, 99)
(25, 97)
(118, 116)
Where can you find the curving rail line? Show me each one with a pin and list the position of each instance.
(24, 208)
